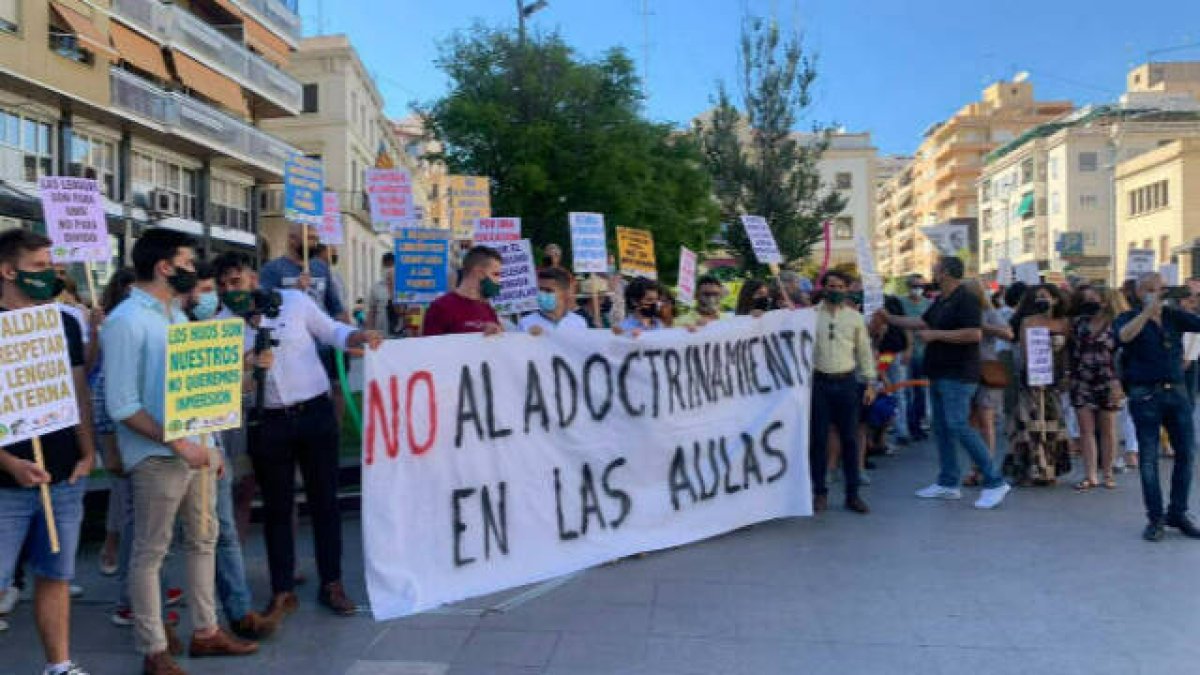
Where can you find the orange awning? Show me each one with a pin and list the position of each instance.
(139, 50)
(201, 78)
(84, 29)
(271, 46)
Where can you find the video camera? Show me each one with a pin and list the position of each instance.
(263, 303)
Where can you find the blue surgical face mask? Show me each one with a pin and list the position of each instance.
(206, 306)
(547, 302)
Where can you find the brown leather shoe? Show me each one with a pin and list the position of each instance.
(820, 503)
(220, 643)
(333, 596)
(281, 606)
(174, 644)
(161, 664)
(253, 626)
(857, 505)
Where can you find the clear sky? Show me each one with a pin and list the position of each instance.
(891, 67)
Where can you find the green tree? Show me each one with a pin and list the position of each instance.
(557, 133)
(758, 163)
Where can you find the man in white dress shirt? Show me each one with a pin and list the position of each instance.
(554, 304)
(297, 427)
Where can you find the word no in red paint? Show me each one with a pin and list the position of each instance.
(387, 420)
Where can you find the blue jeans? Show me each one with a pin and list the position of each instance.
(232, 590)
(23, 523)
(918, 397)
(1152, 408)
(951, 411)
(899, 373)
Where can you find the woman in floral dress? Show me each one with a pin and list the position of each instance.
(1096, 393)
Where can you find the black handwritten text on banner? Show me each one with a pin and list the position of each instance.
(494, 462)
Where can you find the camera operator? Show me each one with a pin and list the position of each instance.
(295, 425)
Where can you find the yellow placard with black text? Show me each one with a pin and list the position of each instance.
(636, 251)
(204, 378)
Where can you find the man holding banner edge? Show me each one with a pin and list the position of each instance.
(27, 279)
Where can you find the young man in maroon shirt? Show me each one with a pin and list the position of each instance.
(466, 309)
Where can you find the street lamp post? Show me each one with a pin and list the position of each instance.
(525, 11)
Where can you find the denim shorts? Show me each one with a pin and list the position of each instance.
(22, 523)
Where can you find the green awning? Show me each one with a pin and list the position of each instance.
(1025, 208)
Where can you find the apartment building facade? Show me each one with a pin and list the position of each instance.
(848, 167)
(342, 122)
(887, 168)
(1059, 177)
(161, 103)
(1158, 200)
(939, 185)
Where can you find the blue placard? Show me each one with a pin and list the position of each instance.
(422, 265)
(303, 188)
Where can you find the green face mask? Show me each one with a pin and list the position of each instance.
(238, 302)
(835, 297)
(39, 286)
(488, 288)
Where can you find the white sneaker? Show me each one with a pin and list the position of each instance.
(75, 591)
(9, 599)
(990, 498)
(936, 491)
(3, 625)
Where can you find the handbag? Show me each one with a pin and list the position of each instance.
(993, 374)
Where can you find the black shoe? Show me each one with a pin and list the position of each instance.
(1154, 531)
(820, 503)
(857, 505)
(1185, 526)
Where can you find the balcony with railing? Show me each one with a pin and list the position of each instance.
(180, 29)
(282, 15)
(192, 119)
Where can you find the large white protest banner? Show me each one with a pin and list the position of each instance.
(489, 463)
(37, 390)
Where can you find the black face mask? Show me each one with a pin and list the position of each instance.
(183, 281)
(1089, 309)
(763, 304)
(1042, 306)
(649, 312)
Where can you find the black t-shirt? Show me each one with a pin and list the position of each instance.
(60, 449)
(894, 340)
(946, 361)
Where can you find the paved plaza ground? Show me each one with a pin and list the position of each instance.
(1052, 582)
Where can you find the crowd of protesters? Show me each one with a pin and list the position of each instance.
(943, 357)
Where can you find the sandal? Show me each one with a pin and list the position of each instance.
(1085, 485)
(1110, 483)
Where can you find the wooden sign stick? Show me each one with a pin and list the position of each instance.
(304, 246)
(91, 282)
(596, 303)
(47, 505)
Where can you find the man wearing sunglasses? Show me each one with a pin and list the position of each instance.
(841, 356)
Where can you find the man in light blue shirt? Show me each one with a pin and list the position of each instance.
(167, 479)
